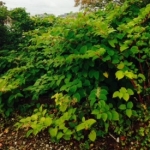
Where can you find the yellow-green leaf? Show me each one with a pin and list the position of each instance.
(130, 75)
(48, 121)
(105, 74)
(126, 96)
(104, 116)
(119, 74)
(120, 66)
(92, 136)
(129, 112)
(123, 47)
(53, 132)
(116, 94)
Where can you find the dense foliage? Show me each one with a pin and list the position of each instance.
(3, 29)
(93, 69)
(94, 4)
(100, 4)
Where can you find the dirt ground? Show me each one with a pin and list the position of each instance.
(11, 139)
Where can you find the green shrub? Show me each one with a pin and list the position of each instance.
(95, 66)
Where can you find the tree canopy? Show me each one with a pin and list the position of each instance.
(92, 4)
(3, 17)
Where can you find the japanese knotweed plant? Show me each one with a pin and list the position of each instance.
(60, 125)
(66, 120)
(100, 59)
(41, 119)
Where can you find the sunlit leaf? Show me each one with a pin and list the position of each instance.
(92, 135)
(105, 74)
(129, 112)
(119, 74)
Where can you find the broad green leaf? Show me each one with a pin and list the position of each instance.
(112, 42)
(83, 119)
(107, 58)
(34, 117)
(134, 50)
(129, 112)
(110, 52)
(66, 116)
(119, 74)
(130, 92)
(83, 49)
(130, 75)
(73, 88)
(64, 88)
(91, 73)
(103, 91)
(92, 101)
(87, 83)
(109, 114)
(53, 131)
(141, 76)
(104, 116)
(129, 105)
(121, 65)
(62, 125)
(92, 136)
(115, 115)
(95, 112)
(18, 95)
(68, 132)
(67, 137)
(28, 119)
(126, 96)
(92, 96)
(105, 74)
(96, 75)
(42, 119)
(90, 122)
(24, 120)
(99, 116)
(77, 96)
(120, 36)
(123, 90)
(34, 126)
(116, 94)
(58, 82)
(102, 97)
(10, 99)
(29, 132)
(36, 131)
(65, 129)
(80, 126)
(120, 95)
(123, 47)
(44, 112)
(70, 34)
(102, 103)
(59, 135)
(115, 59)
(48, 121)
(122, 107)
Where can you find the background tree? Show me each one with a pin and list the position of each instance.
(94, 3)
(3, 28)
(20, 22)
(101, 3)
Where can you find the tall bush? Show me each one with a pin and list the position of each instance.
(95, 66)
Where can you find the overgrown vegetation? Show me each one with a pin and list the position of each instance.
(93, 68)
